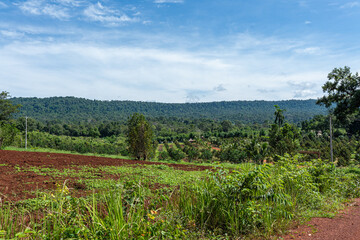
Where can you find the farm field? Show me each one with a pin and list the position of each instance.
(24, 173)
(56, 196)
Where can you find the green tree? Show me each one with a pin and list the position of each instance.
(283, 138)
(7, 134)
(279, 115)
(7, 129)
(140, 137)
(6, 107)
(343, 91)
(226, 125)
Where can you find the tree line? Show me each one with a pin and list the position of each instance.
(71, 109)
(213, 139)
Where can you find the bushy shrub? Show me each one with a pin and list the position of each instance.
(257, 199)
(234, 155)
(176, 154)
(163, 155)
(206, 154)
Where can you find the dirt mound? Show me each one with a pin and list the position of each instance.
(17, 185)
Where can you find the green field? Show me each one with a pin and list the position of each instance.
(160, 202)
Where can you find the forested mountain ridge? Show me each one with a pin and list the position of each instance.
(72, 109)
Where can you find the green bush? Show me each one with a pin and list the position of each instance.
(176, 154)
(163, 155)
(265, 197)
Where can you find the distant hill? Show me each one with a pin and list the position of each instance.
(71, 109)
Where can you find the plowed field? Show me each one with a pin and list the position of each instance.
(16, 184)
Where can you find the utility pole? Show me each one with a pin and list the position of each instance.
(331, 144)
(26, 118)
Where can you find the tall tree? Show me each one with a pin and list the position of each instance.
(6, 107)
(279, 116)
(7, 129)
(343, 90)
(140, 137)
(283, 138)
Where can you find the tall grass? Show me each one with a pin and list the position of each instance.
(258, 200)
(266, 198)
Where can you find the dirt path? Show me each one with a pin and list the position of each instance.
(345, 226)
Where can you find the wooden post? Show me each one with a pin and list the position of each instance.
(331, 143)
(26, 118)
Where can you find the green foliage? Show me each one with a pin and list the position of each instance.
(6, 107)
(343, 90)
(113, 145)
(265, 197)
(163, 155)
(232, 153)
(256, 150)
(7, 134)
(140, 137)
(71, 109)
(251, 200)
(279, 116)
(284, 139)
(226, 125)
(7, 129)
(176, 154)
(206, 154)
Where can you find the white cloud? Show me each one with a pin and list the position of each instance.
(98, 12)
(75, 3)
(350, 5)
(308, 50)
(40, 7)
(133, 73)
(219, 88)
(168, 1)
(304, 89)
(308, 22)
(55, 12)
(248, 42)
(11, 34)
(3, 5)
(269, 69)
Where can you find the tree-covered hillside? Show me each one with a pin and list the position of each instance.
(71, 109)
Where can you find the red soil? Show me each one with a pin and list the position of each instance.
(17, 185)
(345, 226)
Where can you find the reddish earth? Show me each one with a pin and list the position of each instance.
(345, 226)
(17, 185)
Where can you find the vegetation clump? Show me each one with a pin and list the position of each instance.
(254, 200)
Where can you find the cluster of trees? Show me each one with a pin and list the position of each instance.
(7, 127)
(110, 145)
(234, 140)
(71, 109)
(79, 129)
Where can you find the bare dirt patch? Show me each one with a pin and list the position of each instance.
(17, 185)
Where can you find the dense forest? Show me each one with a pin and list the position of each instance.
(238, 131)
(71, 109)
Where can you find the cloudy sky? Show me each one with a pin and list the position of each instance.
(175, 50)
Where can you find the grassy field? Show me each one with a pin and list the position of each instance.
(49, 150)
(163, 202)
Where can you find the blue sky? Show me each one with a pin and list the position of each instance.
(175, 50)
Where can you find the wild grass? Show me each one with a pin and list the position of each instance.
(51, 150)
(255, 200)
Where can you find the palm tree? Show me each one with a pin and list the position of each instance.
(279, 116)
